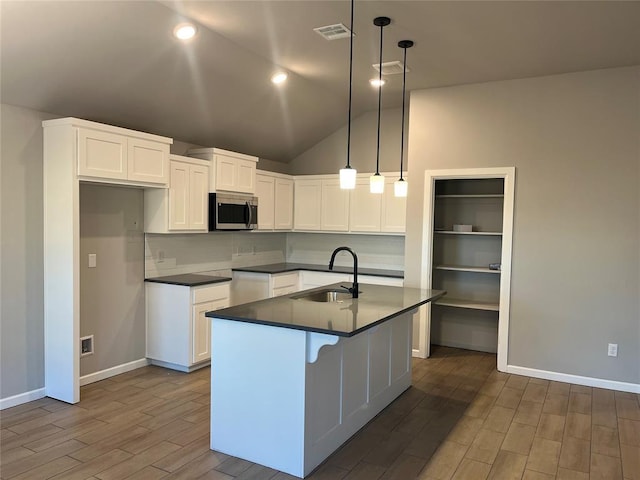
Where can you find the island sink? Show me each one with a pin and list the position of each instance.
(324, 296)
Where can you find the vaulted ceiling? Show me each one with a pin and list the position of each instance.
(118, 63)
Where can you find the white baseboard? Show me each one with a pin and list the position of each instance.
(21, 398)
(417, 353)
(113, 371)
(576, 379)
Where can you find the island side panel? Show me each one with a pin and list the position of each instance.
(257, 393)
(353, 381)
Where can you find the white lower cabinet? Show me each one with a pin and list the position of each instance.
(178, 333)
(252, 286)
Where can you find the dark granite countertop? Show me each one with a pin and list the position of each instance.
(292, 267)
(346, 318)
(188, 279)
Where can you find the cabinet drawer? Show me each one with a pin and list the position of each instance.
(210, 293)
(277, 292)
(286, 280)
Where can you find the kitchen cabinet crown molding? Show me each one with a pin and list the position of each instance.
(78, 122)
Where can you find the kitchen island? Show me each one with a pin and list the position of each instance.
(294, 377)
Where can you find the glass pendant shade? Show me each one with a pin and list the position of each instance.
(376, 183)
(348, 178)
(400, 188)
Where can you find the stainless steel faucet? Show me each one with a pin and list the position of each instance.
(354, 289)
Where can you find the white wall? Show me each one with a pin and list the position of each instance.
(330, 154)
(575, 142)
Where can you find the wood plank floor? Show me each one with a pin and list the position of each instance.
(461, 419)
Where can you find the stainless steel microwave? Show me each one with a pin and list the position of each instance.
(229, 211)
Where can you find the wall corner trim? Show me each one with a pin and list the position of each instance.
(21, 398)
(576, 379)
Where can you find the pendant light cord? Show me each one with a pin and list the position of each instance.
(404, 80)
(350, 88)
(379, 104)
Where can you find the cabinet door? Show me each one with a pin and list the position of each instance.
(335, 207)
(102, 154)
(394, 210)
(148, 161)
(201, 333)
(265, 193)
(198, 197)
(226, 173)
(283, 205)
(364, 209)
(179, 196)
(201, 329)
(245, 176)
(307, 196)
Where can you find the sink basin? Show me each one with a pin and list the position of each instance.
(325, 296)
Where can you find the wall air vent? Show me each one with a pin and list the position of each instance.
(390, 68)
(333, 32)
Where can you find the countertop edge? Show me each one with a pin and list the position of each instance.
(197, 283)
(293, 267)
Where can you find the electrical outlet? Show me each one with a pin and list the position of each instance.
(613, 350)
(93, 260)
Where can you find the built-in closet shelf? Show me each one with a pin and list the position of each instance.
(466, 268)
(451, 232)
(491, 195)
(471, 304)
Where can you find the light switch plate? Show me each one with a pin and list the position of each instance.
(92, 260)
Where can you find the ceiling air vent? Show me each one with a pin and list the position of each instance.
(390, 68)
(333, 32)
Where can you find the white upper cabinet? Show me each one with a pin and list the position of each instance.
(307, 204)
(321, 205)
(147, 161)
(283, 205)
(335, 207)
(231, 171)
(265, 191)
(183, 207)
(364, 215)
(393, 217)
(116, 155)
(275, 201)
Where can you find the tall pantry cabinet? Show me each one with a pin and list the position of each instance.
(470, 257)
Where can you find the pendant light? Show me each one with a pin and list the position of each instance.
(400, 187)
(348, 174)
(376, 181)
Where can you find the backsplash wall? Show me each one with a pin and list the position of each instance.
(217, 252)
(374, 251)
(221, 251)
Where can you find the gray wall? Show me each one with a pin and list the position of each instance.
(574, 140)
(112, 294)
(330, 154)
(21, 273)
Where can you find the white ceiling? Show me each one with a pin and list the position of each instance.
(117, 62)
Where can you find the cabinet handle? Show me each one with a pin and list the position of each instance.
(250, 214)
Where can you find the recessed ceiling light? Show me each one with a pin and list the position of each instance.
(184, 31)
(279, 77)
(375, 82)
